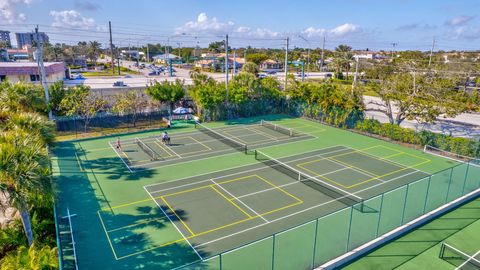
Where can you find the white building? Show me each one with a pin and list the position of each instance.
(28, 72)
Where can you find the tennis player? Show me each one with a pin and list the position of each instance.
(119, 146)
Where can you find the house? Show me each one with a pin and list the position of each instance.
(28, 72)
(270, 64)
(165, 58)
(206, 63)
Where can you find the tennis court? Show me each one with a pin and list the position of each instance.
(216, 212)
(458, 258)
(142, 153)
(238, 190)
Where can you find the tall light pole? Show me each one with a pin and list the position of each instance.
(226, 65)
(323, 50)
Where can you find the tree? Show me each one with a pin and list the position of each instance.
(421, 97)
(217, 46)
(251, 68)
(131, 103)
(32, 258)
(344, 57)
(166, 92)
(256, 58)
(208, 96)
(24, 171)
(80, 101)
(93, 51)
(57, 93)
(22, 97)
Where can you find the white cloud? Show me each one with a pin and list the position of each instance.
(9, 13)
(203, 24)
(71, 18)
(206, 25)
(339, 31)
(459, 20)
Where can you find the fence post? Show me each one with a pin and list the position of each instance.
(405, 204)
(465, 179)
(273, 252)
(349, 228)
(380, 215)
(426, 195)
(449, 184)
(315, 244)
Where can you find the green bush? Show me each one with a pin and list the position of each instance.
(460, 146)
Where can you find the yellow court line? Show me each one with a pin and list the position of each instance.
(387, 174)
(125, 204)
(230, 201)
(237, 179)
(279, 188)
(108, 237)
(161, 147)
(79, 162)
(184, 191)
(200, 143)
(262, 133)
(394, 155)
(134, 224)
(408, 154)
(355, 167)
(324, 177)
(281, 208)
(184, 224)
(237, 138)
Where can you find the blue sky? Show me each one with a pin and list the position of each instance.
(374, 24)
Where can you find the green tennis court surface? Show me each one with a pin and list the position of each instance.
(213, 189)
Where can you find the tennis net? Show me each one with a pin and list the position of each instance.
(283, 130)
(310, 181)
(149, 151)
(224, 139)
(458, 258)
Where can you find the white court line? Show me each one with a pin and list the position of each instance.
(228, 150)
(168, 216)
(296, 213)
(351, 168)
(233, 196)
(169, 148)
(469, 260)
(228, 175)
(286, 185)
(114, 150)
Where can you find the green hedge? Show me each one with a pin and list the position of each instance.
(460, 146)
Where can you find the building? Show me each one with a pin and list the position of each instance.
(164, 58)
(20, 54)
(27, 39)
(28, 72)
(5, 38)
(270, 65)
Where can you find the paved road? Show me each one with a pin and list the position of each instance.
(463, 125)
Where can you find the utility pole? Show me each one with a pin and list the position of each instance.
(148, 57)
(354, 83)
(323, 50)
(286, 63)
(226, 65)
(234, 63)
(431, 52)
(41, 68)
(394, 44)
(111, 48)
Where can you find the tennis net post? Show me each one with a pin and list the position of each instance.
(278, 128)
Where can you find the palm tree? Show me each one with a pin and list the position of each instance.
(344, 54)
(93, 51)
(24, 172)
